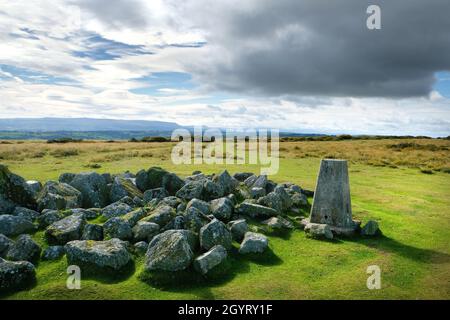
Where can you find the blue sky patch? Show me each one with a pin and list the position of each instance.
(162, 80)
(34, 76)
(442, 84)
(99, 48)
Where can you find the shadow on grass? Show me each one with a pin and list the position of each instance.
(417, 254)
(191, 281)
(109, 276)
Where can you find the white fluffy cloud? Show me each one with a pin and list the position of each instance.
(107, 59)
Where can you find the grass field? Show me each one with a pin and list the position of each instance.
(405, 187)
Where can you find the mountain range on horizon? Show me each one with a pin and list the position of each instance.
(84, 124)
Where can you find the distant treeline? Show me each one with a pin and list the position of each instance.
(164, 136)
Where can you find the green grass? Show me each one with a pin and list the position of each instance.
(412, 209)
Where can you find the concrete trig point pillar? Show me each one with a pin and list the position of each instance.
(332, 204)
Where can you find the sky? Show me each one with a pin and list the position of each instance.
(295, 65)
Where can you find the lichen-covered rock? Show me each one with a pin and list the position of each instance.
(256, 211)
(170, 201)
(207, 261)
(169, 251)
(134, 216)
(140, 248)
(25, 213)
(172, 183)
(122, 187)
(98, 256)
(6, 205)
(58, 196)
(256, 181)
(299, 200)
(238, 229)
(161, 215)
(117, 228)
(257, 192)
(94, 189)
(286, 200)
(201, 205)
(145, 231)
(49, 216)
(14, 189)
(212, 190)
(89, 214)
(92, 232)
(66, 177)
(278, 223)
(150, 179)
(191, 190)
(16, 275)
(242, 176)
(5, 243)
(371, 228)
(318, 231)
(228, 183)
(13, 225)
(222, 208)
(272, 200)
(253, 243)
(215, 233)
(24, 249)
(116, 209)
(53, 253)
(156, 193)
(34, 186)
(177, 223)
(194, 219)
(65, 230)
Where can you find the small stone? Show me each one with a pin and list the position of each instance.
(370, 229)
(53, 253)
(254, 243)
(222, 208)
(145, 231)
(207, 261)
(238, 229)
(318, 231)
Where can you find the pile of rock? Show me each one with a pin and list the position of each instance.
(100, 221)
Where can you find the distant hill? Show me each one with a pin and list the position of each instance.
(83, 124)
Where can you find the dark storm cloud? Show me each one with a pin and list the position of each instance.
(295, 47)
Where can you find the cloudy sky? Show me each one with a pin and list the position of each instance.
(309, 66)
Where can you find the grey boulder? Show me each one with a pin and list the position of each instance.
(98, 256)
(207, 261)
(238, 229)
(170, 251)
(16, 275)
(222, 208)
(58, 196)
(65, 230)
(53, 253)
(318, 231)
(145, 231)
(117, 228)
(14, 225)
(94, 189)
(215, 233)
(116, 209)
(92, 232)
(253, 243)
(256, 211)
(371, 228)
(24, 249)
